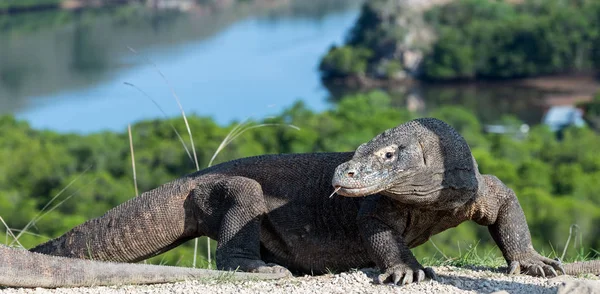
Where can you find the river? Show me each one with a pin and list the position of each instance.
(229, 65)
(73, 72)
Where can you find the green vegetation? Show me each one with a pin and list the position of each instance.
(31, 17)
(554, 180)
(472, 256)
(591, 112)
(366, 38)
(18, 4)
(345, 61)
(22, 23)
(476, 39)
(495, 39)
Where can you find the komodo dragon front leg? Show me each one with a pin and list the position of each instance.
(498, 208)
(385, 242)
(225, 208)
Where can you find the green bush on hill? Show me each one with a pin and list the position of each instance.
(345, 61)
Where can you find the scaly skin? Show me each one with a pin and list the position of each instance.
(430, 182)
(274, 210)
(21, 268)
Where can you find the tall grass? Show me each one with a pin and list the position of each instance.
(132, 160)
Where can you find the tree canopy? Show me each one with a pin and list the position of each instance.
(474, 39)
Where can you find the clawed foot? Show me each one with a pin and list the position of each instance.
(402, 275)
(271, 268)
(253, 266)
(536, 265)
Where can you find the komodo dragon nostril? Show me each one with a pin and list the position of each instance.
(351, 174)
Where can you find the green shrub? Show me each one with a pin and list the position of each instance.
(344, 61)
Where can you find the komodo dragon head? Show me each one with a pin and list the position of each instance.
(423, 161)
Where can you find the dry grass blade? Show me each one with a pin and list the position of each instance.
(335, 191)
(240, 129)
(438, 249)
(132, 160)
(576, 227)
(37, 217)
(31, 234)
(187, 125)
(64, 200)
(187, 151)
(10, 233)
(237, 129)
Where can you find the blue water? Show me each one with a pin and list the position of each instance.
(253, 68)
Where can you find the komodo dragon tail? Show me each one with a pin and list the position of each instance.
(583, 267)
(21, 268)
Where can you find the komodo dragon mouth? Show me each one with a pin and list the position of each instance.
(353, 187)
(357, 191)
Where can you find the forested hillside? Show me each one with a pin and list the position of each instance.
(555, 180)
(466, 40)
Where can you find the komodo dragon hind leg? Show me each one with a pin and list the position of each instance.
(242, 207)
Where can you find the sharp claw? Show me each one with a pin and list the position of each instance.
(381, 278)
(562, 269)
(430, 273)
(541, 271)
(554, 274)
(408, 278)
(559, 266)
(404, 276)
(514, 268)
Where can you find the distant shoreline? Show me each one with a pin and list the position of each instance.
(66, 5)
(32, 8)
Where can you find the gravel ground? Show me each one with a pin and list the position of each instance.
(451, 280)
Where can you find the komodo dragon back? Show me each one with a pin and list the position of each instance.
(21, 268)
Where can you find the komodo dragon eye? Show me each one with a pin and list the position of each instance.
(387, 153)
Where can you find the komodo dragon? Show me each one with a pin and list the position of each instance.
(21, 268)
(274, 210)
